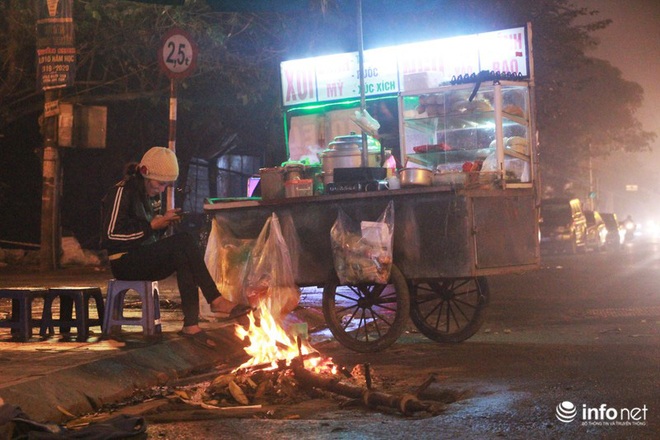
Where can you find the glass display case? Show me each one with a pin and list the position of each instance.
(467, 129)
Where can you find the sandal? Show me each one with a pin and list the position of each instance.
(200, 338)
(238, 311)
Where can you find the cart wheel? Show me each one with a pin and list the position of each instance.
(367, 317)
(449, 309)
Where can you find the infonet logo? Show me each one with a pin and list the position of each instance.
(566, 412)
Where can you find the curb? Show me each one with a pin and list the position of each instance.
(85, 387)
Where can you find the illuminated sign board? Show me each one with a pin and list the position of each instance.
(397, 68)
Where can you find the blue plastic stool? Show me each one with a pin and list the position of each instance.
(70, 297)
(114, 308)
(21, 321)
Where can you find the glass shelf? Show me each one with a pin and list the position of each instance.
(434, 158)
(461, 121)
(457, 130)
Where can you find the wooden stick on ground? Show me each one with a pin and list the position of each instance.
(406, 403)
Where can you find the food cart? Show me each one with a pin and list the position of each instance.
(465, 110)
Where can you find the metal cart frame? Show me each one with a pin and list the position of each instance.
(445, 243)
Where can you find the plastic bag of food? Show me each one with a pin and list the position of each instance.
(362, 251)
(226, 258)
(269, 276)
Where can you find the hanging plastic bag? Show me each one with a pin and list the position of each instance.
(226, 258)
(366, 122)
(362, 251)
(269, 278)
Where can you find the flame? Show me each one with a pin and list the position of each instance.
(271, 344)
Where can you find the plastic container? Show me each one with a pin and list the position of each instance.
(393, 182)
(272, 183)
(299, 188)
(455, 179)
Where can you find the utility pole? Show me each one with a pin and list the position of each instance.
(56, 66)
(50, 193)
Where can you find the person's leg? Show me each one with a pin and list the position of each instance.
(158, 261)
(190, 257)
(192, 270)
(177, 253)
(143, 263)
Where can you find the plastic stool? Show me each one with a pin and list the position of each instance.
(70, 296)
(21, 321)
(114, 308)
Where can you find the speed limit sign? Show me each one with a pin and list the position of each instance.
(178, 54)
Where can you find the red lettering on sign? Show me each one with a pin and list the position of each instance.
(506, 66)
(432, 64)
(299, 86)
(290, 90)
(335, 90)
(514, 66)
(518, 40)
(303, 88)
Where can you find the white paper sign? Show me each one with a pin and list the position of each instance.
(337, 77)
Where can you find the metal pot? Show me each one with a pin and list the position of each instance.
(346, 152)
(353, 141)
(415, 177)
(331, 159)
(349, 142)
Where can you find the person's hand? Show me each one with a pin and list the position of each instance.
(163, 221)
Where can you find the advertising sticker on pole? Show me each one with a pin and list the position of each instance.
(56, 51)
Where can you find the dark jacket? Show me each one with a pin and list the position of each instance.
(127, 214)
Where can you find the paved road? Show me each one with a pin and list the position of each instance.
(583, 329)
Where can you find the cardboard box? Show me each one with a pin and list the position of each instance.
(299, 188)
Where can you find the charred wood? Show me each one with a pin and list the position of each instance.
(405, 403)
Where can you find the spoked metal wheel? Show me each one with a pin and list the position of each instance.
(449, 309)
(367, 317)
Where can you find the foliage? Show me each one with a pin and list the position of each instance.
(117, 43)
(221, 106)
(18, 73)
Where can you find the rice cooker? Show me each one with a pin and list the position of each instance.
(346, 152)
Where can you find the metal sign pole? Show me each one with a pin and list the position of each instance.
(363, 105)
(172, 135)
(177, 58)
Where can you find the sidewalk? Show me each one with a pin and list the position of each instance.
(50, 377)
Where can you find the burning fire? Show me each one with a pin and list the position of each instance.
(270, 345)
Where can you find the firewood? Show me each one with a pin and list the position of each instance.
(425, 384)
(220, 383)
(406, 403)
(237, 393)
